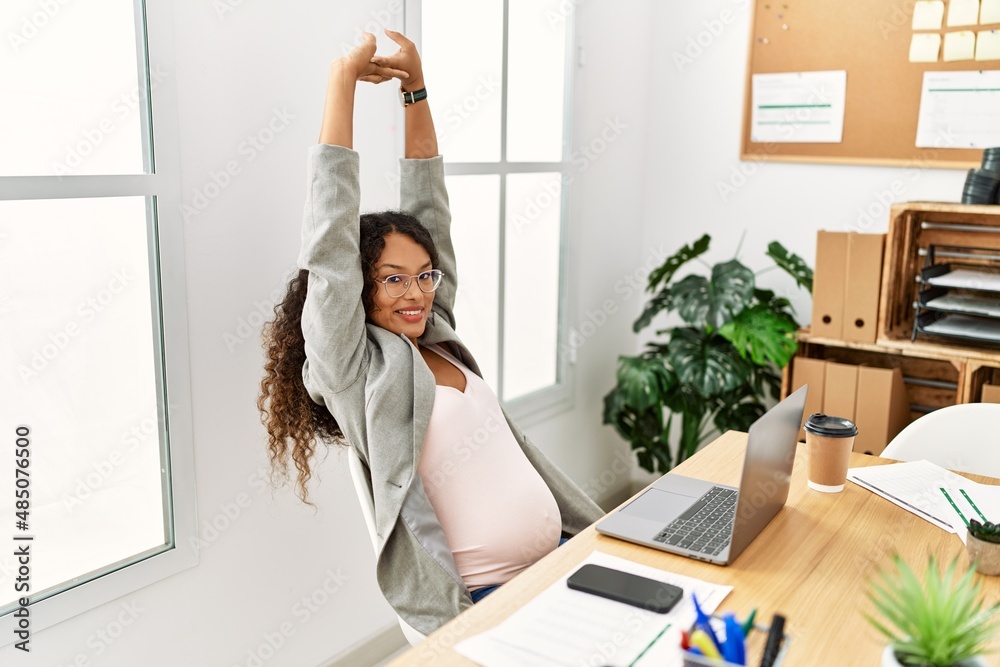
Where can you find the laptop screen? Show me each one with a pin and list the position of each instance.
(767, 469)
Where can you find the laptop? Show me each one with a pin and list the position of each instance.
(711, 522)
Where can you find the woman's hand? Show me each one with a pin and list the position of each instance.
(405, 60)
(361, 64)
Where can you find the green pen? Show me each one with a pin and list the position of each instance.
(748, 624)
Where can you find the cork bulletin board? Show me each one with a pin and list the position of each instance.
(870, 40)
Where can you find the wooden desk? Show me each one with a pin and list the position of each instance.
(811, 564)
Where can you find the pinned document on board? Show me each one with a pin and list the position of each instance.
(561, 626)
(988, 45)
(959, 45)
(990, 12)
(959, 110)
(963, 12)
(798, 107)
(924, 47)
(928, 14)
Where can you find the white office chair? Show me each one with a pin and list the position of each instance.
(359, 474)
(959, 437)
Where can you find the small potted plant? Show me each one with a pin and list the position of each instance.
(939, 622)
(983, 545)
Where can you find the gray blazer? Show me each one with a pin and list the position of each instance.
(377, 386)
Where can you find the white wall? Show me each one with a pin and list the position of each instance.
(669, 136)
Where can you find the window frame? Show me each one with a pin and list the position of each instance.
(547, 402)
(161, 187)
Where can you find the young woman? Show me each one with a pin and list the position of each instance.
(363, 352)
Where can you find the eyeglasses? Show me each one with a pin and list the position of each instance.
(397, 284)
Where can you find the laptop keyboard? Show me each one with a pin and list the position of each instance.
(706, 526)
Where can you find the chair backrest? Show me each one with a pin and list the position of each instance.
(959, 437)
(359, 475)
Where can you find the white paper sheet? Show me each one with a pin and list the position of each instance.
(912, 486)
(963, 12)
(989, 12)
(971, 501)
(924, 47)
(967, 279)
(988, 45)
(561, 626)
(959, 110)
(927, 14)
(798, 107)
(959, 45)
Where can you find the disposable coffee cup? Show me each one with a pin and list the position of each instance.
(830, 441)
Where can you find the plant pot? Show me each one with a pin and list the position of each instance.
(889, 660)
(985, 555)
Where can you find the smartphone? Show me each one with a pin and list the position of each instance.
(625, 587)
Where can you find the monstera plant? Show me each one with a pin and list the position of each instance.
(716, 370)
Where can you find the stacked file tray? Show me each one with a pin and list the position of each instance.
(959, 299)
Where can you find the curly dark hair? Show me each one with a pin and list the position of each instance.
(293, 421)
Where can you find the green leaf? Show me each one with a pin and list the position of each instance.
(764, 380)
(792, 264)
(778, 305)
(702, 303)
(663, 459)
(738, 416)
(732, 291)
(654, 306)
(692, 298)
(613, 405)
(705, 363)
(939, 619)
(766, 336)
(666, 271)
(643, 381)
(635, 408)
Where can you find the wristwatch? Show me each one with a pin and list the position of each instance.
(412, 97)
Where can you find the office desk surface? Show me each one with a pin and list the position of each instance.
(811, 564)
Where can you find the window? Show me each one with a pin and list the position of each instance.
(92, 312)
(498, 79)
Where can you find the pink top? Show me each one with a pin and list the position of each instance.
(497, 513)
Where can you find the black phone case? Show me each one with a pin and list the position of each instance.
(625, 587)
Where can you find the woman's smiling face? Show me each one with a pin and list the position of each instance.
(408, 313)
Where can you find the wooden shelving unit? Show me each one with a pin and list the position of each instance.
(938, 371)
(913, 229)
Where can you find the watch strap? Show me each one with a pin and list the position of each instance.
(411, 97)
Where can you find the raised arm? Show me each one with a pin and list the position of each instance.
(422, 190)
(345, 72)
(333, 316)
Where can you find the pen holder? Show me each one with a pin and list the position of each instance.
(755, 648)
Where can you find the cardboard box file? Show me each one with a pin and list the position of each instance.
(846, 285)
(882, 408)
(810, 372)
(829, 278)
(840, 390)
(864, 280)
(991, 393)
